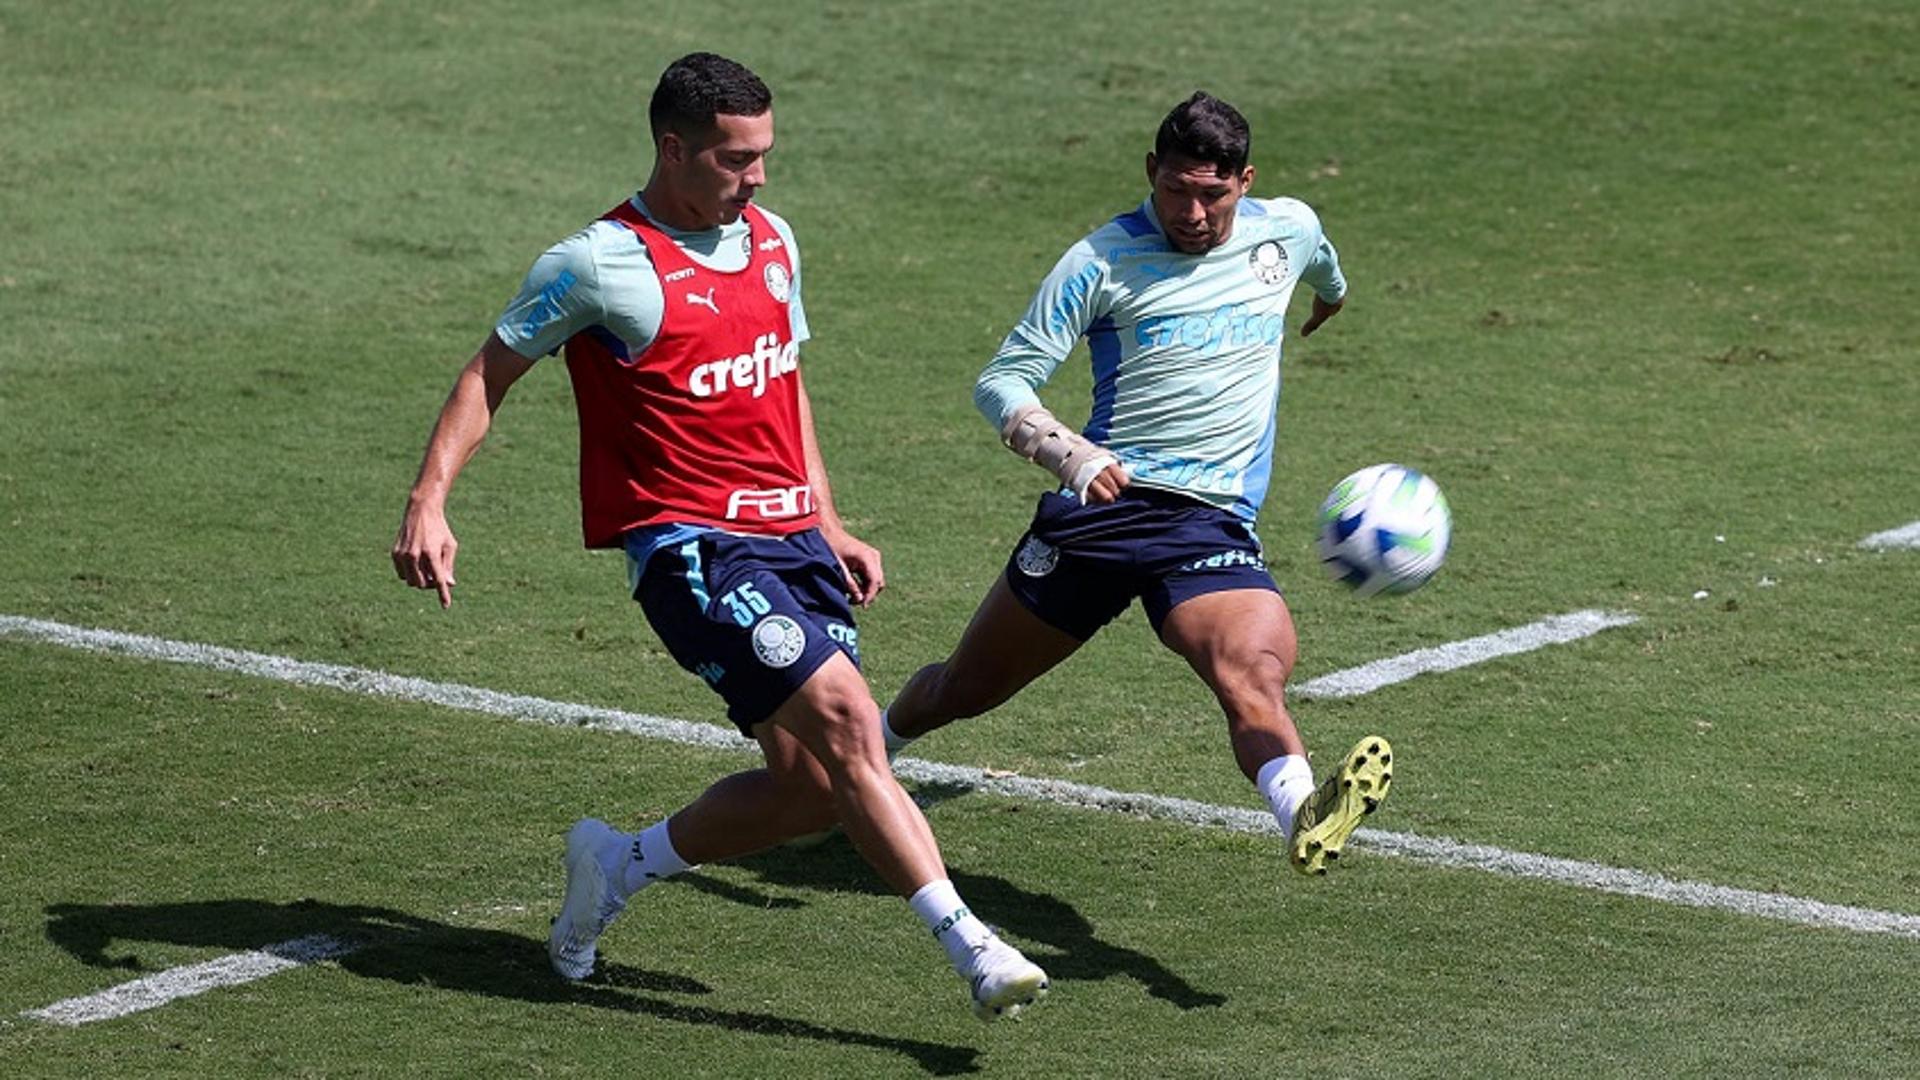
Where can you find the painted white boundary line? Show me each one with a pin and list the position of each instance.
(375, 683)
(244, 967)
(1906, 536)
(175, 983)
(1437, 851)
(1458, 654)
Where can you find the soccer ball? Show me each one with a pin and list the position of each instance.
(1384, 529)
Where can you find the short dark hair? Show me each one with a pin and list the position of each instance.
(699, 86)
(1204, 128)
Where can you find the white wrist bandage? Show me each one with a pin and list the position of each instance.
(1034, 434)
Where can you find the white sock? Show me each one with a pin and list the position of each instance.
(939, 905)
(895, 741)
(651, 858)
(1286, 782)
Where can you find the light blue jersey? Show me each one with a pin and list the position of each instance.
(1186, 348)
(602, 276)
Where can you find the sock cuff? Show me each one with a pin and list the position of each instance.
(893, 739)
(1286, 782)
(654, 854)
(939, 905)
(1284, 770)
(958, 930)
(932, 893)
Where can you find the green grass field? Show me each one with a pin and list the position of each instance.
(1633, 280)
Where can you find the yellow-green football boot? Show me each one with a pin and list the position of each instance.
(1351, 792)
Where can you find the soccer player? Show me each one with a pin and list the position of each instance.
(680, 315)
(1182, 302)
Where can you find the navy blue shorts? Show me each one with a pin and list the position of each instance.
(1079, 565)
(755, 616)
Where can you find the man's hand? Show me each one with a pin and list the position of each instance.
(1107, 486)
(859, 563)
(1087, 469)
(1322, 311)
(423, 552)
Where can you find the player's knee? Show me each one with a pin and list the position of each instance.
(856, 766)
(1272, 669)
(1253, 677)
(846, 727)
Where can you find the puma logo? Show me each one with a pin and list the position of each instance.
(704, 301)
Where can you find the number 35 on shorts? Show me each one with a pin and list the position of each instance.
(745, 604)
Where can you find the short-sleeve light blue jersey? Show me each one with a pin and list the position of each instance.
(602, 276)
(1185, 348)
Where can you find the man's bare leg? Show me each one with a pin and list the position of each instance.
(1241, 642)
(828, 730)
(1003, 649)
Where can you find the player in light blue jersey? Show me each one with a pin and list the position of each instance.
(1182, 302)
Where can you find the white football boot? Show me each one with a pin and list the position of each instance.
(593, 898)
(1005, 982)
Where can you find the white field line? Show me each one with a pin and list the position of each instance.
(172, 984)
(1906, 536)
(1458, 654)
(1437, 851)
(375, 683)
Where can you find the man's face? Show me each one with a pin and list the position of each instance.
(718, 174)
(1195, 201)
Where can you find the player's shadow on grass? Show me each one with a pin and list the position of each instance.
(1077, 953)
(381, 943)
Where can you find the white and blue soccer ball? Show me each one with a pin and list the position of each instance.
(1384, 529)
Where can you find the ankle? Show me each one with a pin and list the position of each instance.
(650, 857)
(1287, 782)
(895, 741)
(965, 938)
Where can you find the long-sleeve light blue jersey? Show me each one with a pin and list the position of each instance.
(1185, 348)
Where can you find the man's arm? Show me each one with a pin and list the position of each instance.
(859, 562)
(1085, 466)
(1322, 275)
(1069, 299)
(423, 551)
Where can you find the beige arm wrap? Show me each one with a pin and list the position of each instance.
(1034, 434)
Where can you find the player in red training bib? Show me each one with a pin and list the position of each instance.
(680, 316)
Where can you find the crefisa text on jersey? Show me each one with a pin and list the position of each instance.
(770, 359)
(1209, 332)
